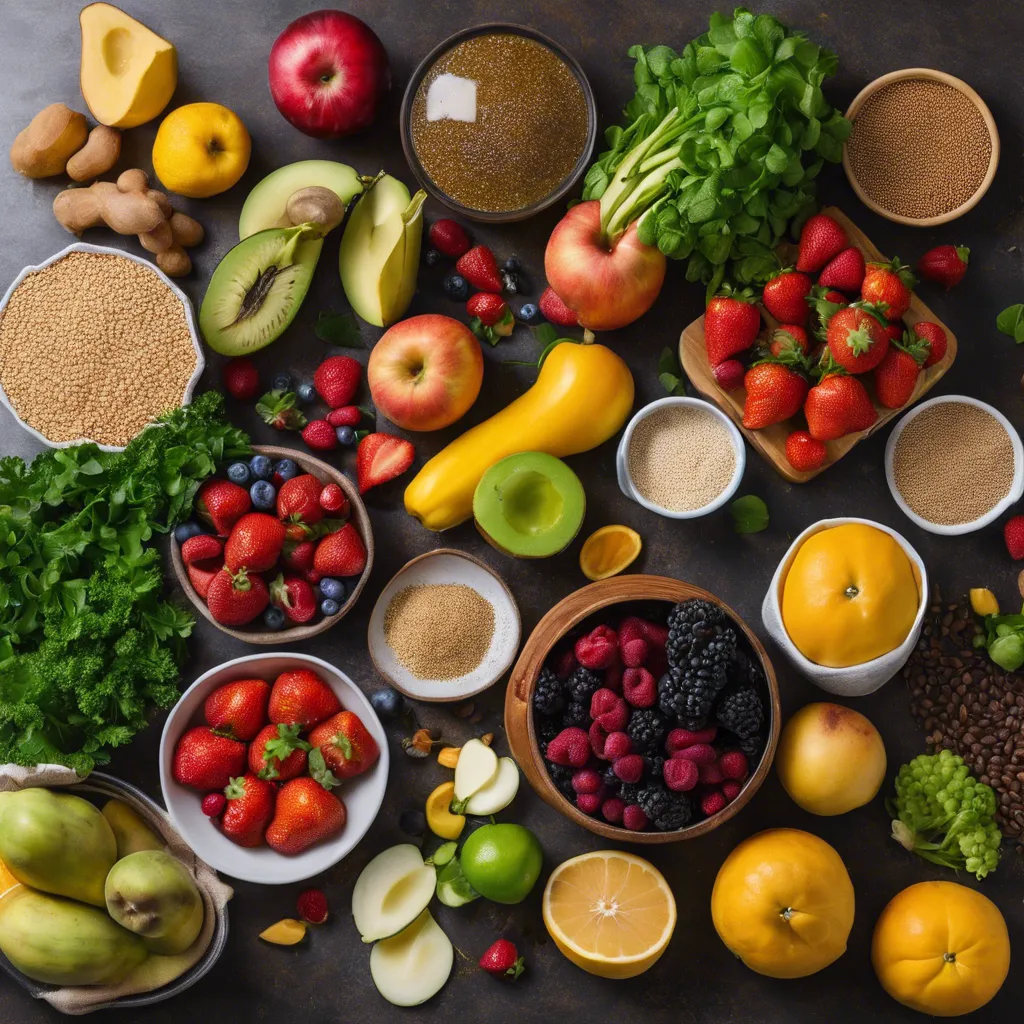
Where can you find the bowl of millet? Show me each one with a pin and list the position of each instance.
(644, 709)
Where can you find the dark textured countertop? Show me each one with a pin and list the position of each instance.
(223, 49)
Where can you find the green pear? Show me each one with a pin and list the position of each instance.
(130, 831)
(380, 250)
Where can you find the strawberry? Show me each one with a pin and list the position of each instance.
(202, 574)
(341, 553)
(554, 309)
(785, 296)
(250, 806)
(298, 500)
(277, 753)
(888, 285)
(492, 319)
(346, 416)
(804, 453)
(380, 458)
(298, 555)
(238, 708)
(301, 698)
(479, 267)
(731, 325)
(933, 336)
(945, 264)
(213, 804)
(896, 375)
(255, 543)
(774, 393)
(449, 237)
(305, 814)
(221, 504)
(821, 239)
(241, 379)
(311, 906)
(203, 760)
(336, 380)
(789, 343)
(503, 959)
(1013, 535)
(201, 548)
(348, 749)
(729, 375)
(845, 271)
(837, 406)
(332, 499)
(893, 330)
(235, 599)
(856, 339)
(278, 410)
(320, 436)
(294, 596)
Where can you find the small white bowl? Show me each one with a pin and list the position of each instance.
(446, 565)
(630, 490)
(856, 680)
(178, 293)
(1012, 496)
(362, 796)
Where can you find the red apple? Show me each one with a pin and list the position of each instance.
(425, 372)
(328, 74)
(608, 286)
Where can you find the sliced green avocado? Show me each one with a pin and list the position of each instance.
(529, 505)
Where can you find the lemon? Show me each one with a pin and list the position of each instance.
(201, 149)
(608, 551)
(609, 912)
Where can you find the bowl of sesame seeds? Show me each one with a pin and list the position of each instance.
(923, 149)
(95, 344)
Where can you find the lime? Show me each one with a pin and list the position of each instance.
(502, 862)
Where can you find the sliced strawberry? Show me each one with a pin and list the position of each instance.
(380, 458)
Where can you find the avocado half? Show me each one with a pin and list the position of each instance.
(529, 505)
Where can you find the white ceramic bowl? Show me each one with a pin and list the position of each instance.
(857, 680)
(362, 795)
(179, 294)
(630, 490)
(1012, 496)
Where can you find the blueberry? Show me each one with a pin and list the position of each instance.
(387, 702)
(185, 531)
(286, 469)
(512, 265)
(261, 467)
(509, 282)
(455, 287)
(273, 618)
(263, 495)
(413, 823)
(306, 393)
(527, 312)
(329, 607)
(432, 258)
(332, 588)
(346, 436)
(282, 382)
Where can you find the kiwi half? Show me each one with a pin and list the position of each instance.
(257, 289)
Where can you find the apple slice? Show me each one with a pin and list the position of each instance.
(477, 765)
(412, 966)
(391, 892)
(499, 792)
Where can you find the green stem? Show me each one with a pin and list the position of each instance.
(644, 193)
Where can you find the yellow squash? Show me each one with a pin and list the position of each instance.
(582, 397)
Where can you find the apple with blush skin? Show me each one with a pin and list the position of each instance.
(328, 74)
(425, 372)
(608, 284)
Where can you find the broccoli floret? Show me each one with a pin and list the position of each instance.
(944, 815)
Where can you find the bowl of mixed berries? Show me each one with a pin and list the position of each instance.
(279, 550)
(644, 709)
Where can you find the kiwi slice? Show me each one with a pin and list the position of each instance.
(257, 289)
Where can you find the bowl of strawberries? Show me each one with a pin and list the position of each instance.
(273, 766)
(279, 550)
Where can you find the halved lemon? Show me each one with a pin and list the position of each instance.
(609, 912)
(608, 551)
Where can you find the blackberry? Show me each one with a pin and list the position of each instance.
(577, 715)
(653, 767)
(583, 684)
(561, 776)
(629, 793)
(691, 621)
(667, 811)
(547, 728)
(548, 694)
(688, 690)
(610, 779)
(753, 747)
(647, 728)
(740, 711)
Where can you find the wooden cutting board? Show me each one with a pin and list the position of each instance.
(771, 442)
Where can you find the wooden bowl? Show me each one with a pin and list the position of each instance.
(933, 76)
(359, 518)
(562, 618)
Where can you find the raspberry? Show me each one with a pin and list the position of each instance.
(633, 818)
(616, 745)
(731, 789)
(733, 765)
(616, 717)
(633, 627)
(598, 737)
(712, 802)
(213, 804)
(612, 679)
(679, 739)
(586, 780)
(698, 753)
(602, 701)
(598, 649)
(679, 774)
(589, 803)
(566, 665)
(710, 774)
(633, 652)
(639, 687)
(611, 810)
(570, 747)
(312, 906)
(629, 768)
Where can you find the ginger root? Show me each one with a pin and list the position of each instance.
(100, 152)
(52, 137)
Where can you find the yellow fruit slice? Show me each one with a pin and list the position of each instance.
(608, 551)
(286, 932)
(609, 912)
(8, 883)
(440, 819)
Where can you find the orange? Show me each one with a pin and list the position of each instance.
(200, 150)
(608, 551)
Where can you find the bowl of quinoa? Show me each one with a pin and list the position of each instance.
(95, 344)
(680, 457)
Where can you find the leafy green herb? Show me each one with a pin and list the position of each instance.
(341, 329)
(723, 144)
(1004, 639)
(749, 514)
(279, 409)
(1011, 322)
(670, 373)
(319, 770)
(88, 645)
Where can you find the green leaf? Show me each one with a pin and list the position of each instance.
(319, 770)
(749, 514)
(1011, 322)
(545, 334)
(341, 329)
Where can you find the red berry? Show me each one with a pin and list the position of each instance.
(312, 906)
(570, 747)
(805, 453)
(599, 649)
(629, 768)
(680, 775)
(213, 804)
(554, 309)
(345, 416)
(633, 818)
(698, 753)
(639, 687)
(731, 789)
(729, 374)
(616, 745)
(712, 802)
(1013, 534)
(320, 436)
(449, 237)
(598, 736)
(710, 774)
(611, 810)
(733, 765)
(332, 499)
(586, 780)
(679, 739)
(589, 803)
(241, 379)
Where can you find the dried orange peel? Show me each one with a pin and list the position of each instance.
(608, 551)
(287, 932)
